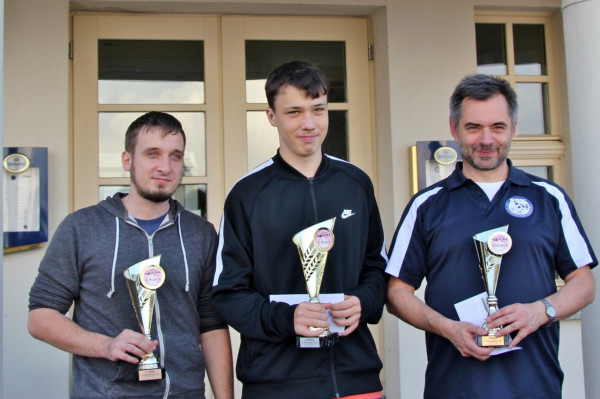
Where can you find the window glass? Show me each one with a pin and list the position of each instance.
(533, 108)
(544, 172)
(111, 142)
(262, 56)
(150, 72)
(491, 49)
(530, 52)
(263, 140)
(191, 196)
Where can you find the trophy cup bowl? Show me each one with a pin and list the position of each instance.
(143, 279)
(313, 245)
(491, 245)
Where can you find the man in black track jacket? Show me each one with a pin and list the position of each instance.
(300, 187)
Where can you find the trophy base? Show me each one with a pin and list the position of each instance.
(150, 374)
(489, 341)
(317, 342)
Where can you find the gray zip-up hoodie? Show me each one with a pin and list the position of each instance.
(84, 265)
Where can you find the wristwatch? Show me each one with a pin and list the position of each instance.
(550, 311)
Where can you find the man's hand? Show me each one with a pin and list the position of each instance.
(462, 336)
(403, 303)
(524, 318)
(310, 315)
(346, 313)
(130, 346)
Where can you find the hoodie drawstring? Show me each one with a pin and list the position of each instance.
(187, 270)
(114, 264)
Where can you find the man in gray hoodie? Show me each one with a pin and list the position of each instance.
(84, 266)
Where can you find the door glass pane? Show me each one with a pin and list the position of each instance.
(262, 56)
(150, 72)
(533, 108)
(336, 143)
(263, 140)
(111, 142)
(544, 172)
(530, 50)
(491, 49)
(191, 196)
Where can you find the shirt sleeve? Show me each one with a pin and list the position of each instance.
(209, 317)
(372, 286)
(57, 282)
(242, 307)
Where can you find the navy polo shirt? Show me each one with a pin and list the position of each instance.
(434, 240)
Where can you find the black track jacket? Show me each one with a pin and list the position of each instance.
(257, 258)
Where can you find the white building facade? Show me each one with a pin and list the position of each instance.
(404, 58)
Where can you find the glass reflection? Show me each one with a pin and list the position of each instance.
(530, 50)
(491, 49)
(191, 196)
(262, 56)
(150, 72)
(545, 172)
(263, 140)
(533, 105)
(111, 142)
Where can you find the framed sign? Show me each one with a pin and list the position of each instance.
(25, 197)
(432, 161)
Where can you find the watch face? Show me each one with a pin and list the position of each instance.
(551, 312)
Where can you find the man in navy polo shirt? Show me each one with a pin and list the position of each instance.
(434, 240)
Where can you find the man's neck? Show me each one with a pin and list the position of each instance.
(141, 208)
(308, 166)
(486, 176)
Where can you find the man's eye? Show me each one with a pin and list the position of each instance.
(177, 157)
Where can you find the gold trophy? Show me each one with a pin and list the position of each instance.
(142, 280)
(313, 245)
(491, 245)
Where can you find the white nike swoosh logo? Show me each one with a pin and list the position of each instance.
(346, 215)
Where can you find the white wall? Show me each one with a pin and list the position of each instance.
(1, 178)
(580, 20)
(422, 49)
(36, 91)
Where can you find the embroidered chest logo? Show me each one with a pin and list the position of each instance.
(347, 213)
(519, 207)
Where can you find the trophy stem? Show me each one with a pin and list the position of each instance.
(492, 302)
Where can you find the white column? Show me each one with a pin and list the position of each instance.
(582, 40)
(1, 215)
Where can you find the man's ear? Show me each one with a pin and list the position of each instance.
(453, 129)
(271, 117)
(126, 160)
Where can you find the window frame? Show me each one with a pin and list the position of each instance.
(537, 149)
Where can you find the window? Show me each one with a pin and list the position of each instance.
(520, 47)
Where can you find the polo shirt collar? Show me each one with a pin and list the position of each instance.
(515, 176)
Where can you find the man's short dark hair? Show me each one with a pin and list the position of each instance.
(300, 74)
(482, 87)
(167, 122)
